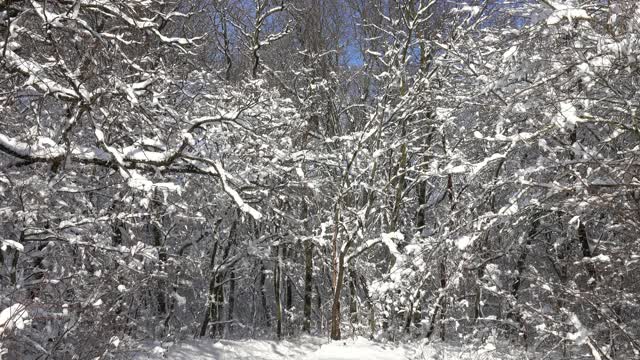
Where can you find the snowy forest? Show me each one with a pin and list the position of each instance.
(462, 172)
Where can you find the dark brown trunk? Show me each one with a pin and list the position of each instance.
(335, 309)
(308, 285)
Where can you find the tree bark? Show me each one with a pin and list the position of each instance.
(288, 295)
(210, 309)
(369, 304)
(308, 285)
(335, 309)
(353, 305)
(232, 301)
(263, 295)
(443, 302)
(337, 273)
(156, 233)
(439, 308)
(276, 291)
(586, 253)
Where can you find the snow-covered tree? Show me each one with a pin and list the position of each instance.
(441, 170)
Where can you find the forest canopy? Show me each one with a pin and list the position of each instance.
(457, 171)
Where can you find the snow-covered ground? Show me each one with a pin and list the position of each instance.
(313, 348)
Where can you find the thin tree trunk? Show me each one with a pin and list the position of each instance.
(582, 231)
(232, 301)
(335, 314)
(308, 285)
(321, 321)
(263, 295)
(353, 305)
(417, 310)
(276, 292)
(408, 318)
(337, 273)
(219, 303)
(369, 305)
(477, 305)
(586, 253)
(439, 307)
(289, 304)
(335, 309)
(443, 305)
(400, 185)
(210, 308)
(162, 257)
(14, 262)
(38, 270)
(521, 263)
(227, 48)
(158, 242)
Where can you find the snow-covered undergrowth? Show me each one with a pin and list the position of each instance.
(314, 348)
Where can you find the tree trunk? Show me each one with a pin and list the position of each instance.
(263, 295)
(14, 262)
(443, 303)
(586, 253)
(414, 314)
(219, 303)
(162, 257)
(158, 242)
(417, 311)
(407, 319)
(521, 263)
(439, 307)
(210, 308)
(421, 187)
(288, 296)
(477, 304)
(337, 273)
(369, 305)
(335, 309)
(232, 301)
(276, 292)
(353, 305)
(227, 47)
(400, 185)
(308, 285)
(320, 307)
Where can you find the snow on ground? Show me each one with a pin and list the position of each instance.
(313, 348)
(361, 348)
(235, 350)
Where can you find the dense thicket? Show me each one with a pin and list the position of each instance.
(462, 170)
